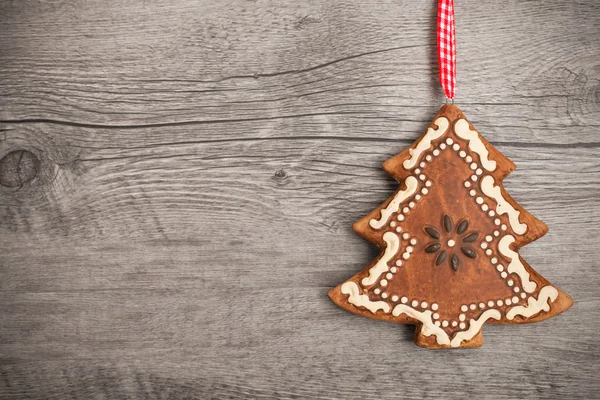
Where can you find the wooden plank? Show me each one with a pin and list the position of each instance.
(200, 166)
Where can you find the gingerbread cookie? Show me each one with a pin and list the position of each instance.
(450, 237)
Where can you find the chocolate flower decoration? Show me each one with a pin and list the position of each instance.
(447, 241)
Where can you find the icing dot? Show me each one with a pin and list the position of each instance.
(413, 241)
(393, 224)
(449, 141)
(473, 306)
(405, 210)
(435, 316)
(404, 300)
(479, 200)
(422, 177)
(482, 305)
(523, 295)
(488, 252)
(418, 197)
(454, 323)
(422, 164)
(484, 207)
(437, 323)
(474, 178)
(492, 213)
(490, 303)
(428, 183)
(462, 317)
(394, 298)
(411, 204)
(406, 256)
(414, 303)
(456, 147)
(377, 291)
(484, 245)
(424, 191)
(462, 154)
(400, 218)
(497, 221)
(389, 276)
(417, 171)
(503, 227)
(434, 306)
(494, 260)
(383, 282)
(436, 152)
(469, 159)
(393, 270)
(444, 323)
(488, 238)
(442, 146)
(496, 233)
(384, 295)
(409, 249)
(504, 275)
(508, 302)
(451, 243)
(473, 166)
(464, 308)
(424, 304)
(478, 171)
(515, 299)
(472, 192)
(516, 289)
(510, 282)
(428, 157)
(405, 236)
(462, 325)
(500, 268)
(499, 302)
(398, 229)
(467, 184)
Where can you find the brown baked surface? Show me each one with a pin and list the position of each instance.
(453, 220)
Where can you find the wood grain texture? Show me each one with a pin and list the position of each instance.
(201, 164)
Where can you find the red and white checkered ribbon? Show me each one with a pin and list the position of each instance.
(446, 43)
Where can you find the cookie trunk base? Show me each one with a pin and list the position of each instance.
(429, 342)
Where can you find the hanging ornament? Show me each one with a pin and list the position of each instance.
(449, 237)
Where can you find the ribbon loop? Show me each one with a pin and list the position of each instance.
(446, 45)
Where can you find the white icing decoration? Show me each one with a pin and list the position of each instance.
(362, 300)
(474, 327)
(503, 207)
(425, 143)
(411, 186)
(428, 328)
(534, 306)
(393, 244)
(475, 144)
(515, 265)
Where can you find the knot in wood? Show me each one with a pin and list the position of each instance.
(18, 167)
(280, 174)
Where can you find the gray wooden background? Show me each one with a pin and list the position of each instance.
(179, 179)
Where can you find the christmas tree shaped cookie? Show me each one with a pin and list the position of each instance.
(449, 238)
